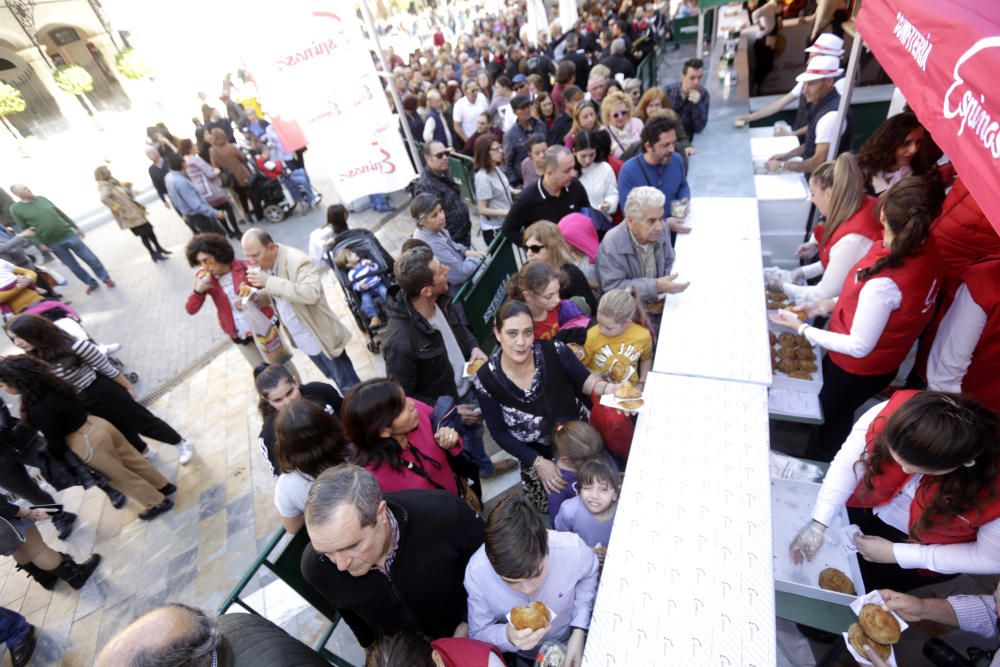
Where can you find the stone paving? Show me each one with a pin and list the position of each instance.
(224, 512)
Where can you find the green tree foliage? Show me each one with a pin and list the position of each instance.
(73, 79)
(10, 100)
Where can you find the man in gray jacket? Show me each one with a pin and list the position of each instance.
(638, 253)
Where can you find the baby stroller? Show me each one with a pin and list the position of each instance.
(275, 201)
(366, 246)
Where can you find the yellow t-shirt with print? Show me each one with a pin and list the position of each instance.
(625, 350)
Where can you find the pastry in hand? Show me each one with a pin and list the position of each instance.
(833, 579)
(535, 616)
(473, 366)
(879, 624)
(628, 391)
(631, 404)
(618, 371)
(244, 289)
(856, 635)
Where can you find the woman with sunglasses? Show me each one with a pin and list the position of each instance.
(543, 242)
(493, 192)
(920, 476)
(624, 128)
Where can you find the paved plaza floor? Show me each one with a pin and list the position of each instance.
(224, 506)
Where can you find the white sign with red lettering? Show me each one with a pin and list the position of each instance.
(315, 71)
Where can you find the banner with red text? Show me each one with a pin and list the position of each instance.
(943, 55)
(314, 72)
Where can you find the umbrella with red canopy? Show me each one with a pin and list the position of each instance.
(943, 55)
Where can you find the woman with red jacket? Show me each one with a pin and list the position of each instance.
(395, 439)
(920, 475)
(221, 276)
(885, 303)
(847, 233)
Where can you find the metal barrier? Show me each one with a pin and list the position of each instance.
(484, 292)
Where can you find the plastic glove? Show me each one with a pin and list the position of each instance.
(774, 276)
(807, 542)
(806, 250)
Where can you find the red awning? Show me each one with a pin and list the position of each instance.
(943, 55)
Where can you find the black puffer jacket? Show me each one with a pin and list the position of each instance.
(414, 351)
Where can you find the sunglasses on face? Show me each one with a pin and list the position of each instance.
(438, 156)
(534, 249)
(619, 114)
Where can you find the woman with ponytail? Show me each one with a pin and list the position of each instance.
(848, 230)
(920, 476)
(885, 303)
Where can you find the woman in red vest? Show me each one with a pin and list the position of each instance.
(920, 475)
(965, 355)
(886, 301)
(846, 235)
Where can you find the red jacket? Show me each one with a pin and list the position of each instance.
(962, 233)
(462, 652)
(223, 309)
(891, 479)
(982, 380)
(918, 282)
(862, 222)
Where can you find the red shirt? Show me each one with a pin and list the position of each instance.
(918, 282)
(423, 452)
(548, 328)
(982, 379)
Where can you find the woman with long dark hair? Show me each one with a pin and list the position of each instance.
(540, 287)
(884, 305)
(310, 440)
(395, 439)
(493, 192)
(527, 389)
(105, 391)
(51, 405)
(893, 152)
(920, 475)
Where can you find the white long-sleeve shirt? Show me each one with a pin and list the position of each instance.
(979, 557)
(956, 340)
(844, 254)
(878, 298)
(429, 127)
(602, 188)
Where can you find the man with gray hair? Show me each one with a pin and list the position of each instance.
(389, 563)
(556, 194)
(176, 635)
(617, 61)
(638, 253)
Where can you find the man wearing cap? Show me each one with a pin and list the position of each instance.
(821, 118)
(467, 109)
(515, 141)
(827, 44)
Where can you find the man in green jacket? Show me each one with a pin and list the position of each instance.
(54, 232)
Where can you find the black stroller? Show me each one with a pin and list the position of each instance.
(269, 191)
(366, 246)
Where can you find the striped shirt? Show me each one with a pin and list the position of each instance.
(93, 362)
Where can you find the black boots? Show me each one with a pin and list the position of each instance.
(63, 521)
(76, 574)
(47, 580)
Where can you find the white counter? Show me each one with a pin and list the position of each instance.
(688, 579)
(715, 328)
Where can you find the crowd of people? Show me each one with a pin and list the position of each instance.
(584, 170)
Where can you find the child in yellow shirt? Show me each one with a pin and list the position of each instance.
(620, 346)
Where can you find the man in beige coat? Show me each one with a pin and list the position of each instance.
(291, 280)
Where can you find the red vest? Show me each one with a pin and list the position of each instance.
(982, 380)
(891, 479)
(461, 652)
(862, 222)
(918, 282)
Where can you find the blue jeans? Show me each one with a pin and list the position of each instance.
(299, 178)
(74, 245)
(368, 300)
(472, 438)
(379, 202)
(339, 369)
(13, 627)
